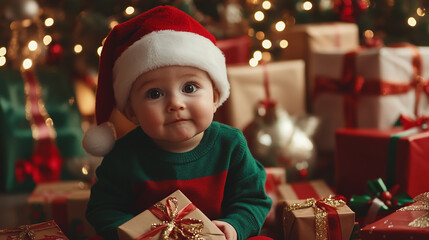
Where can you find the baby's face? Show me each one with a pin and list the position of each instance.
(174, 105)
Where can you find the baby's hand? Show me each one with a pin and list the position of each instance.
(227, 229)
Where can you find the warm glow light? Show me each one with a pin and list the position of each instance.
(280, 26)
(266, 5)
(113, 23)
(266, 57)
(307, 6)
(284, 43)
(32, 45)
(257, 55)
(129, 10)
(99, 50)
(259, 16)
(420, 12)
(27, 63)
(260, 35)
(2, 51)
(78, 48)
(412, 22)
(49, 22)
(253, 62)
(2, 61)
(266, 44)
(368, 34)
(47, 40)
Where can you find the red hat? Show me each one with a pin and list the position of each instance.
(162, 36)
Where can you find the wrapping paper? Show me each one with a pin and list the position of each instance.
(362, 155)
(236, 49)
(65, 202)
(391, 65)
(302, 226)
(396, 226)
(40, 231)
(305, 39)
(303, 190)
(286, 86)
(141, 224)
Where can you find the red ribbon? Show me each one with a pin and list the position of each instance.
(407, 122)
(334, 224)
(352, 85)
(304, 190)
(167, 216)
(45, 163)
(271, 183)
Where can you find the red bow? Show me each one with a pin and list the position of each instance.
(407, 122)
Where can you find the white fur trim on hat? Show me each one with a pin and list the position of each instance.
(167, 48)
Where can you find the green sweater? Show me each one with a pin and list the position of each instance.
(219, 176)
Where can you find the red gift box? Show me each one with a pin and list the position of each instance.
(398, 156)
(41, 231)
(410, 222)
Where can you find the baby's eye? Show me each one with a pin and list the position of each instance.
(154, 94)
(189, 88)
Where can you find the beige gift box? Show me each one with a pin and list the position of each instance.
(142, 223)
(315, 189)
(301, 222)
(286, 85)
(305, 39)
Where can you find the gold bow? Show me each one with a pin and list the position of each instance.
(174, 225)
(26, 233)
(422, 221)
(320, 213)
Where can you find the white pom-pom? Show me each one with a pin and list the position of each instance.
(99, 140)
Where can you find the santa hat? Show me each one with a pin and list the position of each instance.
(162, 36)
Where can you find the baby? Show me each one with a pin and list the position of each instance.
(164, 72)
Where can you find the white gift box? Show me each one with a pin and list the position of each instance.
(391, 65)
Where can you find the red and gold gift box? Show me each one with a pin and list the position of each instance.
(395, 155)
(303, 190)
(327, 218)
(236, 49)
(367, 88)
(65, 202)
(410, 222)
(286, 86)
(40, 231)
(169, 219)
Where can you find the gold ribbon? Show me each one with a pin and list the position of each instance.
(174, 225)
(27, 232)
(422, 221)
(320, 212)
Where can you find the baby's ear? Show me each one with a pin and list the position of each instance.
(216, 97)
(129, 113)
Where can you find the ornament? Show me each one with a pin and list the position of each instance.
(21, 9)
(55, 53)
(350, 10)
(274, 138)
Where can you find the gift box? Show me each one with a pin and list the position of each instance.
(236, 50)
(65, 202)
(397, 156)
(410, 222)
(40, 231)
(305, 39)
(367, 88)
(16, 139)
(303, 190)
(276, 176)
(154, 221)
(303, 219)
(285, 84)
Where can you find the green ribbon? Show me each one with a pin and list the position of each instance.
(360, 204)
(391, 154)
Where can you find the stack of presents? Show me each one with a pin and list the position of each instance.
(372, 103)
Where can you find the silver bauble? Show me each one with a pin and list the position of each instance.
(21, 9)
(269, 133)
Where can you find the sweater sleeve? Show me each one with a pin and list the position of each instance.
(245, 204)
(110, 202)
